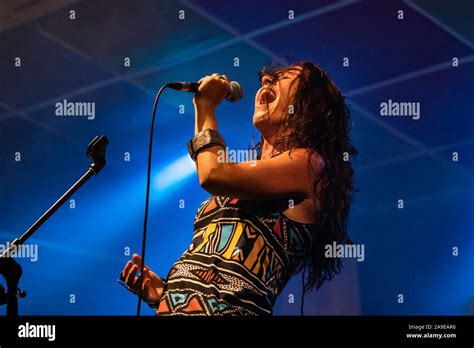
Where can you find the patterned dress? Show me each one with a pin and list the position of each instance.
(241, 257)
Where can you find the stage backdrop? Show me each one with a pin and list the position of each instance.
(407, 70)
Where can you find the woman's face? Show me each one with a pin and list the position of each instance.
(274, 98)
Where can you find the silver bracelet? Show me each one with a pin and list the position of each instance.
(203, 140)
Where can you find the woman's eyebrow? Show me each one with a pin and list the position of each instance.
(279, 73)
(288, 74)
(290, 70)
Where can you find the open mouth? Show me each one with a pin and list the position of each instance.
(267, 96)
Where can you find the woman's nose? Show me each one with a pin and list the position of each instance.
(266, 80)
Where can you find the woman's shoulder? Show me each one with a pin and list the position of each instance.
(305, 153)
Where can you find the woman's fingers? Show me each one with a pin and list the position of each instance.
(132, 280)
(213, 80)
(126, 270)
(151, 282)
(129, 274)
(138, 261)
(130, 277)
(146, 285)
(146, 278)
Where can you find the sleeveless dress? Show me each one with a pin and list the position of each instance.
(241, 257)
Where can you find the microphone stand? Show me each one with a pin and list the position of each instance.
(11, 269)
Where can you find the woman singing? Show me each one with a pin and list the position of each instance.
(268, 220)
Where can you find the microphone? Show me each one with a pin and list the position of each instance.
(235, 93)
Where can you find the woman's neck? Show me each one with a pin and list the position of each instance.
(270, 141)
(268, 149)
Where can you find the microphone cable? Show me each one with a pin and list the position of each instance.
(235, 97)
(147, 199)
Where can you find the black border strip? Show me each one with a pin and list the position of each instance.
(287, 330)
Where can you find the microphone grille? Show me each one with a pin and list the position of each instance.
(236, 92)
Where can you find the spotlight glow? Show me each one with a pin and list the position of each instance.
(174, 173)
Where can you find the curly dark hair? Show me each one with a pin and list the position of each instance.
(320, 122)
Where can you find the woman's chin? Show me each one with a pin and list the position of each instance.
(260, 113)
(259, 118)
